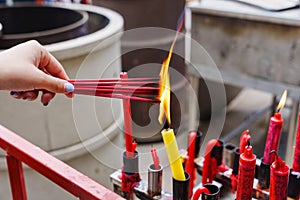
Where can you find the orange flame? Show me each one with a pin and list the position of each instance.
(164, 91)
(164, 82)
(282, 101)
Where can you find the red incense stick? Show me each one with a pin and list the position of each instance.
(112, 80)
(117, 96)
(138, 89)
(155, 159)
(127, 122)
(190, 162)
(118, 89)
(141, 82)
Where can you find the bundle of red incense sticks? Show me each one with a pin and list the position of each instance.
(137, 89)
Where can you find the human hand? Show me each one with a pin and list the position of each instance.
(28, 68)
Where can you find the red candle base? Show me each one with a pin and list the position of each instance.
(246, 175)
(278, 179)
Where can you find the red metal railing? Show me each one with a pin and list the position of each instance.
(21, 151)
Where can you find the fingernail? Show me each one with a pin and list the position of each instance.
(14, 94)
(69, 87)
(46, 104)
(28, 98)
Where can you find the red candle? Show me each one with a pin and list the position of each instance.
(296, 162)
(274, 132)
(127, 122)
(210, 168)
(133, 146)
(244, 139)
(272, 142)
(246, 174)
(155, 158)
(190, 169)
(278, 179)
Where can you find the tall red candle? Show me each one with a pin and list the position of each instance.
(278, 179)
(296, 161)
(274, 132)
(244, 139)
(272, 142)
(127, 122)
(246, 174)
(190, 169)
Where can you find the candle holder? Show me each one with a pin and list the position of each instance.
(214, 192)
(217, 152)
(154, 180)
(263, 175)
(228, 156)
(131, 164)
(229, 180)
(294, 185)
(181, 188)
(198, 143)
(130, 175)
(236, 162)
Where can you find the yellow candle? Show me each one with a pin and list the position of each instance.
(173, 154)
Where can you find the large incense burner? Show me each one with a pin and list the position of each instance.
(88, 46)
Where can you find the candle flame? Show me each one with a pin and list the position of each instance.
(164, 82)
(164, 91)
(282, 101)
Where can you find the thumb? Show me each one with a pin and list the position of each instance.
(57, 85)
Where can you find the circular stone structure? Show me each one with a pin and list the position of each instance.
(86, 40)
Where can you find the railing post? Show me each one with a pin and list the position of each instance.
(16, 176)
(21, 151)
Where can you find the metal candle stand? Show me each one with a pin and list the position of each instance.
(138, 188)
(225, 178)
(151, 189)
(144, 189)
(141, 189)
(294, 185)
